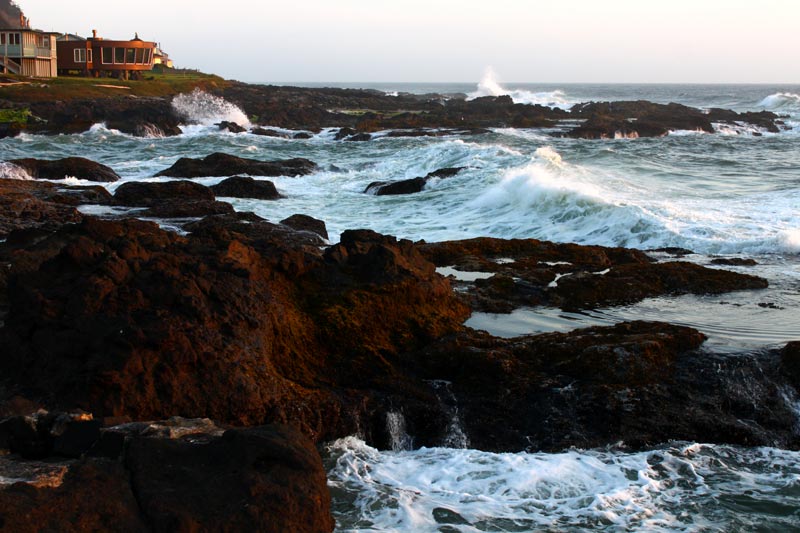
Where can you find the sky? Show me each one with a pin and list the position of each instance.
(552, 41)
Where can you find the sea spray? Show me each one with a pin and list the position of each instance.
(455, 436)
(680, 488)
(399, 439)
(199, 107)
(10, 171)
(489, 86)
(781, 101)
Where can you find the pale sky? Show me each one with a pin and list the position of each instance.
(683, 41)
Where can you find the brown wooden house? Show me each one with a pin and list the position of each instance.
(97, 57)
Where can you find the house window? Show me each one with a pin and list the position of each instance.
(139, 56)
(2, 38)
(108, 55)
(119, 55)
(80, 55)
(46, 41)
(147, 56)
(89, 56)
(13, 39)
(130, 56)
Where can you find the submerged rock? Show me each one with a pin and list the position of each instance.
(410, 186)
(69, 167)
(219, 164)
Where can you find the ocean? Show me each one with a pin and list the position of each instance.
(734, 194)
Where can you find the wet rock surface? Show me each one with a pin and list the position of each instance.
(409, 186)
(632, 119)
(69, 167)
(248, 322)
(170, 199)
(219, 164)
(195, 476)
(573, 277)
(246, 187)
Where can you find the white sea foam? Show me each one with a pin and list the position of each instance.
(10, 171)
(199, 107)
(489, 86)
(679, 488)
(781, 101)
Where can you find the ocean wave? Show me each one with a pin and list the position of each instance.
(489, 86)
(199, 107)
(677, 488)
(781, 101)
(10, 171)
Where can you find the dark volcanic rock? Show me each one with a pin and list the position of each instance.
(344, 133)
(269, 133)
(136, 321)
(306, 223)
(218, 164)
(148, 194)
(631, 119)
(171, 199)
(359, 137)
(132, 115)
(191, 477)
(258, 479)
(44, 205)
(302, 135)
(531, 272)
(231, 127)
(638, 383)
(410, 186)
(60, 169)
(246, 187)
(734, 261)
(385, 188)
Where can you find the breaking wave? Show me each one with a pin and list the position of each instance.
(10, 171)
(489, 86)
(685, 487)
(781, 101)
(199, 107)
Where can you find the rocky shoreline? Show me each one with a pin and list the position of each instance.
(359, 114)
(287, 341)
(210, 364)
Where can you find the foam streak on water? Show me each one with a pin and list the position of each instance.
(679, 488)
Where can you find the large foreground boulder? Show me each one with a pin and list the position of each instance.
(219, 164)
(171, 199)
(69, 167)
(140, 478)
(246, 187)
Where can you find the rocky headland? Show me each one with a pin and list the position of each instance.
(358, 114)
(268, 340)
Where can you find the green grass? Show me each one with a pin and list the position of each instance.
(69, 87)
(14, 116)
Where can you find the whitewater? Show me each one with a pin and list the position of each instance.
(733, 194)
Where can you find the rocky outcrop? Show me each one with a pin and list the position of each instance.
(140, 116)
(637, 383)
(69, 167)
(136, 321)
(43, 205)
(307, 223)
(246, 187)
(170, 199)
(530, 272)
(409, 186)
(231, 127)
(178, 475)
(218, 164)
(632, 119)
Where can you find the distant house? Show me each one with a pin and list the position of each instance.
(162, 58)
(28, 52)
(97, 57)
